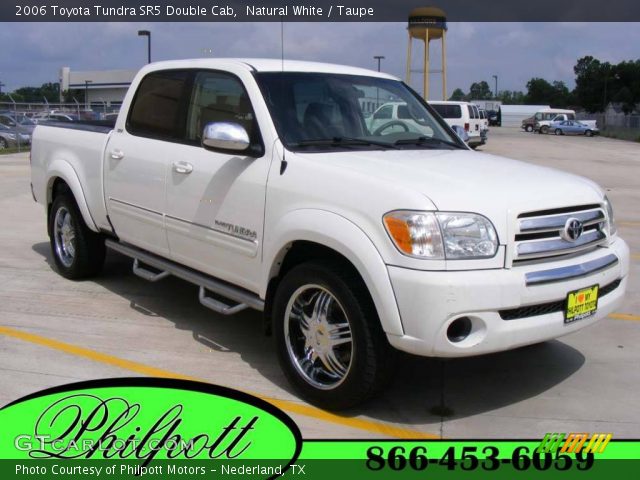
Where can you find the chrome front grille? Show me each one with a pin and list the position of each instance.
(541, 234)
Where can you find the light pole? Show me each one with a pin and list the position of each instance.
(1, 85)
(86, 93)
(495, 77)
(378, 58)
(146, 33)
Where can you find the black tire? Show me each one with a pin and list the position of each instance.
(558, 131)
(370, 357)
(84, 255)
(589, 133)
(544, 129)
(529, 128)
(3, 144)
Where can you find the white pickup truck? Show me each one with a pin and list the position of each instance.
(544, 126)
(259, 181)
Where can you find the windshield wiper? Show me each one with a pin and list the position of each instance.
(427, 141)
(343, 141)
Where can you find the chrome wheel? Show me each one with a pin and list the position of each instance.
(64, 235)
(318, 337)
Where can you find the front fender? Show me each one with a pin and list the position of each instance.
(62, 169)
(343, 236)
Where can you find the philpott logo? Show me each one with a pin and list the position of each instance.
(147, 419)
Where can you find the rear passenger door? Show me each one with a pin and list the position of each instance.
(137, 157)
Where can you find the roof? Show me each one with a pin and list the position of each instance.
(272, 65)
(447, 102)
(522, 109)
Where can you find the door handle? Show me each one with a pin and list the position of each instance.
(116, 154)
(182, 167)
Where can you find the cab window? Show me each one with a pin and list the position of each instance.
(155, 111)
(217, 97)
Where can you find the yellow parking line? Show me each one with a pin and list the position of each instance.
(286, 405)
(625, 316)
(636, 256)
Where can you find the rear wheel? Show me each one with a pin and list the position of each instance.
(330, 343)
(77, 251)
(544, 129)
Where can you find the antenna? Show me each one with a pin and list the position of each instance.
(283, 163)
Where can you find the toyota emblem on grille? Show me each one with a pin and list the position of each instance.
(572, 230)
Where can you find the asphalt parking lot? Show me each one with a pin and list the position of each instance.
(54, 331)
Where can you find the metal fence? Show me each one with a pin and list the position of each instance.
(617, 120)
(12, 115)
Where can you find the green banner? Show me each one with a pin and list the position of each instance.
(157, 428)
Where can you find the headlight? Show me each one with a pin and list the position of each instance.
(441, 235)
(610, 218)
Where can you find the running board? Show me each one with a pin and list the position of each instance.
(243, 298)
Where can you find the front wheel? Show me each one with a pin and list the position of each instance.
(558, 131)
(77, 251)
(529, 128)
(329, 339)
(544, 129)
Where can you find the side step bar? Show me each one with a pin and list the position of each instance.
(243, 298)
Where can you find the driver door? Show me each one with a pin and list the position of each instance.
(215, 201)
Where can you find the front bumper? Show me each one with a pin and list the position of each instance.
(430, 301)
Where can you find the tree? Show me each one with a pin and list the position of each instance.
(480, 91)
(511, 97)
(539, 91)
(592, 77)
(458, 95)
(624, 85)
(48, 91)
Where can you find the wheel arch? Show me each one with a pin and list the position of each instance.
(61, 177)
(305, 235)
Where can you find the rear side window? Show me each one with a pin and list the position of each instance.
(448, 111)
(403, 113)
(156, 109)
(473, 111)
(384, 113)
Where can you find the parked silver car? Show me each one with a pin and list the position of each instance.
(21, 123)
(9, 138)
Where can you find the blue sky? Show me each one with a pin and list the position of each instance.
(33, 53)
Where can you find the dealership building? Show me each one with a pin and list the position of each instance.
(102, 87)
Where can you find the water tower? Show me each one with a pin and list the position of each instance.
(427, 24)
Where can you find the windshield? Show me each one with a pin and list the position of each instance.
(321, 111)
(24, 120)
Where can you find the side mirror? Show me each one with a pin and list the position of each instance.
(228, 136)
(461, 132)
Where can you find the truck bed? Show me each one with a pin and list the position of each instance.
(76, 151)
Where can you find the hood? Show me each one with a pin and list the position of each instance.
(467, 181)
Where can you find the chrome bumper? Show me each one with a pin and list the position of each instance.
(571, 272)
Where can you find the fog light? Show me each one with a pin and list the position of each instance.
(459, 329)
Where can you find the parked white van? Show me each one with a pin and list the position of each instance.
(463, 114)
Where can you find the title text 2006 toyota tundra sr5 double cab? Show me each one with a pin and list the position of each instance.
(259, 181)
